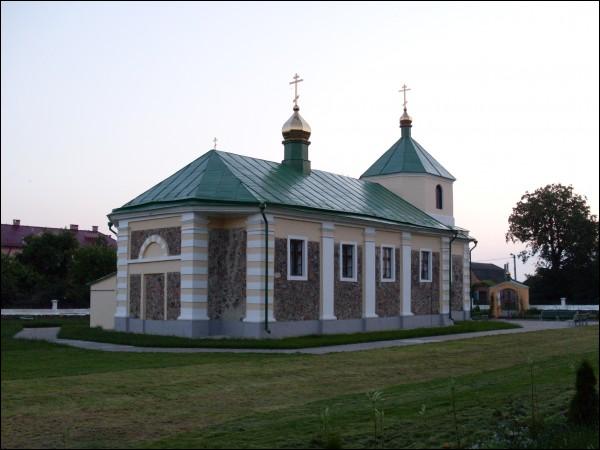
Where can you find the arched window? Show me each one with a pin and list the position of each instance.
(439, 197)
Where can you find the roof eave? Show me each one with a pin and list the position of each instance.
(153, 206)
(364, 175)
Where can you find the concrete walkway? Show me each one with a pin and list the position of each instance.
(50, 335)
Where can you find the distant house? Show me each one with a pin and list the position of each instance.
(493, 287)
(13, 236)
(482, 277)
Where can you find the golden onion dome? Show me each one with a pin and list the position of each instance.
(296, 127)
(405, 119)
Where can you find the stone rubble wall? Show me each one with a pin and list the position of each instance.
(297, 299)
(154, 293)
(347, 294)
(227, 273)
(425, 297)
(457, 282)
(173, 295)
(387, 293)
(171, 235)
(135, 296)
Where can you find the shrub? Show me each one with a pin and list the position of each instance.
(583, 409)
(328, 437)
(376, 400)
(512, 429)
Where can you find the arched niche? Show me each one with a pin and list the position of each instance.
(154, 247)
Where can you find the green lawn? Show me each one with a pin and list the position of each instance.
(55, 396)
(79, 329)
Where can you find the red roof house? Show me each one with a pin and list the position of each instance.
(13, 236)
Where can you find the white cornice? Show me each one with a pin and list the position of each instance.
(289, 213)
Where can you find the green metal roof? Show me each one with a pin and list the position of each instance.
(229, 178)
(407, 156)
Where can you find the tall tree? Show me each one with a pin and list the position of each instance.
(555, 224)
(50, 255)
(19, 282)
(89, 264)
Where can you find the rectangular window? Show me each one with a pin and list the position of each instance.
(348, 262)
(296, 269)
(425, 265)
(388, 263)
(297, 258)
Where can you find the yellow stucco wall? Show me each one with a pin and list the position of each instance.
(153, 251)
(285, 227)
(522, 296)
(155, 267)
(103, 303)
(147, 224)
(420, 191)
(388, 238)
(227, 223)
(458, 248)
(288, 227)
(426, 242)
(345, 233)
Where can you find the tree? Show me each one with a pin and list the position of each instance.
(50, 255)
(89, 264)
(555, 224)
(18, 282)
(583, 409)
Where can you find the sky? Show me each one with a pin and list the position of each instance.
(101, 101)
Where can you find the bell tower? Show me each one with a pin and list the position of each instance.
(410, 172)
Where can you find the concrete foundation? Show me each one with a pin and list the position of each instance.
(461, 315)
(240, 329)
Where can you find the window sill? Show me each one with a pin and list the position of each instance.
(291, 278)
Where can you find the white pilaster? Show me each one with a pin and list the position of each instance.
(466, 279)
(406, 287)
(194, 267)
(445, 276)
(369, 274)
(122, 280)
(327, 271)
(255, 268)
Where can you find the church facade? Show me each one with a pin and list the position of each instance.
(238, 246)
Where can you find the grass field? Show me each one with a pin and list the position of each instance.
(54, 396)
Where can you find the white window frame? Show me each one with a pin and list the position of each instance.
(354, 278)
(304, 276)
(393, 261)
(429, 269)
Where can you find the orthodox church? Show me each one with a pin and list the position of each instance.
(238, 246)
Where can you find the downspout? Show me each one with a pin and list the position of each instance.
(262, 207)
(470, 271)
(450, 275)
(110, 225)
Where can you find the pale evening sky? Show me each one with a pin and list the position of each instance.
(101, 101)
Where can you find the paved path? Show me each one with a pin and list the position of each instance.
(50, 335)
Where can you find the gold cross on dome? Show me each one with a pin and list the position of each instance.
(297, 80)
(215, 141)
(403, 90)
